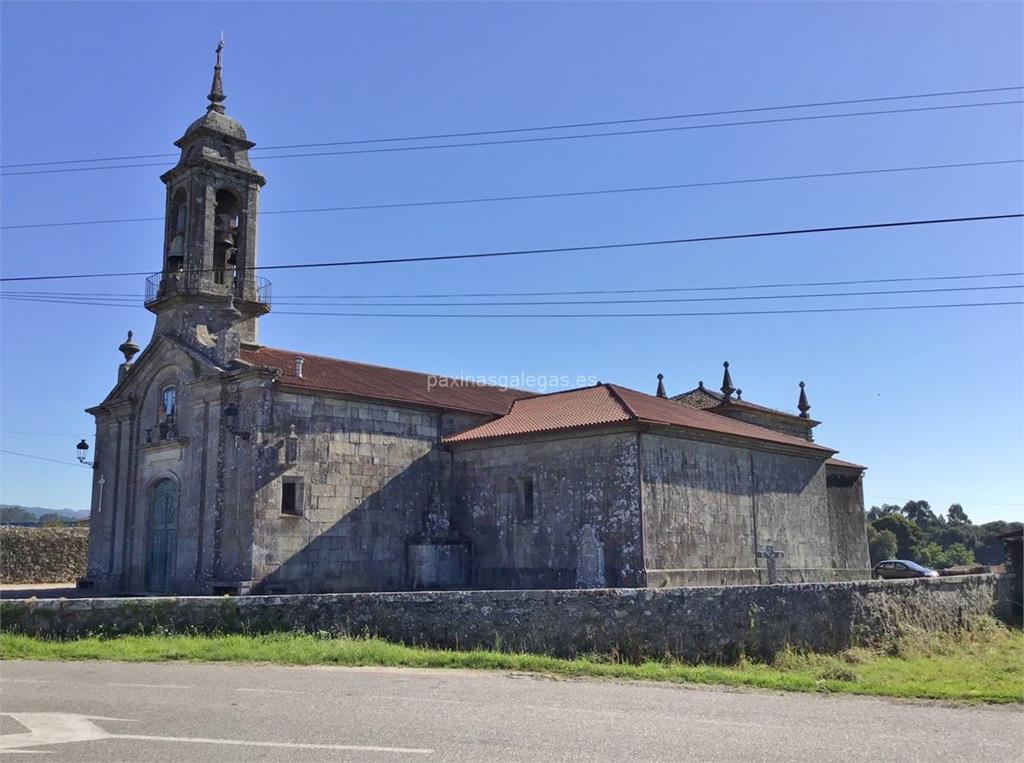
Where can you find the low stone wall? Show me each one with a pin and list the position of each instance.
(42, 554)
(688, 623)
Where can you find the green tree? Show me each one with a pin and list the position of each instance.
(989, 549)
(877, 512)
(881, 545)
(52, 520)
(909, 537)
(931, 555)
(957, 516)
(16, 515)
(921, 514)
(959, 555)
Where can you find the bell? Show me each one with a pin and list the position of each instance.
(222, 236)
(232, 254)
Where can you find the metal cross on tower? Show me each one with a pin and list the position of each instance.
(770, 554)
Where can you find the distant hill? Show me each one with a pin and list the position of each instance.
(15, 514)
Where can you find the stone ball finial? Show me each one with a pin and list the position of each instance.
(661, 387)
(739, 394)
(700, 384)
(128, 348)
(661, 376)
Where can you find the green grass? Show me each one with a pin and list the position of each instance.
(983, 664)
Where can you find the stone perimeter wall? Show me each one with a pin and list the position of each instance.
(688, 623)
(42, 554)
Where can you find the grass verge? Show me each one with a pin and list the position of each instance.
(983, 664)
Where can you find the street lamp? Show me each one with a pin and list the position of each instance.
(83, 450)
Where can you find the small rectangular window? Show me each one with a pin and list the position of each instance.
(528, 499)
(291, 497)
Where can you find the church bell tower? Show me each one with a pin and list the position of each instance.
(208, 293)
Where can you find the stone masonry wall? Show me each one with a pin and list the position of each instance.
(584, 526)
(371, 480)
(796, 427)
(42, 554)
(847, 527)
(709, 506)
(687, 623)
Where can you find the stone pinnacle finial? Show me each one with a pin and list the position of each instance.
(128, 348)
(661, 386)
(727, 388)
(803, 405)
(217, 88)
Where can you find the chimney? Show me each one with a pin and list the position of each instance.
(298, 367)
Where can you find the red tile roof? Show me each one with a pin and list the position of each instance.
(608, 404)
(844, 464)
(345, 377)
(689, 398)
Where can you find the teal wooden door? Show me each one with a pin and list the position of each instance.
(163, 535)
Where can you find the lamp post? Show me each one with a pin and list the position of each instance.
(83, 450)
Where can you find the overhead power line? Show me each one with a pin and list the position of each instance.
(966, 501)
(549, 138)
(792, 311)
(121, 301)
(43, 458)
(136, 297)
(564, 249)
(564, 126)
(564, 194)
(45, 434)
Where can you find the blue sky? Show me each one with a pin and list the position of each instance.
(930, 400)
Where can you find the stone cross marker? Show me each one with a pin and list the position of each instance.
(590, 559)
(770, 554)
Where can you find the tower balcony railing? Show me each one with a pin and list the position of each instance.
(226, 282)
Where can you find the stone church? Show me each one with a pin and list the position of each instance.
(223, 465)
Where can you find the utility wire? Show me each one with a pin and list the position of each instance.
(962, 501)
(656, 315)
(119, 301)
(607, 122)
(564, 249)
(548, 138)
(739, 287)
(793, 311)
(43, 458)
(45, 434)
(532, 196)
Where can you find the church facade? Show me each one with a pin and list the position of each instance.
(225, 466)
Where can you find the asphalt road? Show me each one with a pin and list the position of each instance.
(96, 711)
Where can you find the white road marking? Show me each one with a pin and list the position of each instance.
(64, 728)
(153, 686)
(50, 728)
(287, 745)
(269, 691)
(25, 681)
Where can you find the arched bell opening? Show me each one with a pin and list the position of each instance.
(225, 237)
(176, 250)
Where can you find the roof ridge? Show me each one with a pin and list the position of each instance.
(622, 401)
(307, 355)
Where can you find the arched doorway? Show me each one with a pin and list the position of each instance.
(163, 535)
